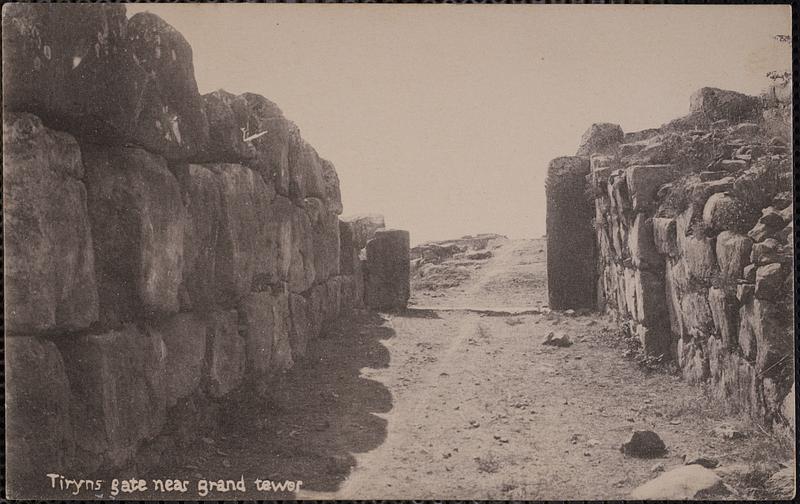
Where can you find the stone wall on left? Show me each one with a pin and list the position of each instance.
(162, 248)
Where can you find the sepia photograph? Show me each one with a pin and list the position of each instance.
(334, 251)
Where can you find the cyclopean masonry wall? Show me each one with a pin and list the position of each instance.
(164, 250)
(694, 231)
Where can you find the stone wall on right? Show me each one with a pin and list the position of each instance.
(694, 225)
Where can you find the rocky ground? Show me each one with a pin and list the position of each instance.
(457, 398)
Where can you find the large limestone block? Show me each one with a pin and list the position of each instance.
(184, 337)
(301, 330)
(665, 236)
(277, 232)
(716, 104)
(242, 251)
(266, 322)
(770, 280)
(725, 313)
(388, 284)
(673, 275)
(227, 352)
(571, 268)
(643, 182)
(203, 203)
(38, 424)
(600, 138)
(103, 77)
(227, 115)
(303, 253)
(305, 169)
(138, 219)
(325, 229)
(49, 261)
(349, 295)
(364, 227)
(733, 254)
(642, 246)
(697, 252)
(333, 193)
(180, 128)
(118, 393)
(271, 135)
(696, 314)
(334, 308)
(765, 336)
(651, 311)
(724, 212)
(693, 360)
(348, 251)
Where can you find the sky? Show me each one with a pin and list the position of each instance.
(443, 118)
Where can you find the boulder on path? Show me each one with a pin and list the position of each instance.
(138, 219)
(644, 444)
(701, 460)
(49, 272)
(683, 483)
(388, 284)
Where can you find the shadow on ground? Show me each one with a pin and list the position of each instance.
(313, 421)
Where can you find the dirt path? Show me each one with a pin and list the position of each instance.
(440, 402)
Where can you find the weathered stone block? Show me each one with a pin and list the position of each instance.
(725, 313)
(364, 228)
(641, 244)
(227, 353)
(644, 180)
(227, 116)
(733, 254)
(269, 132)
(334, 308)
(49, 260)
(118, 392)
(696, 252)
(629, 291)
(301, 330)
(138, 220)
(696, 314)
(571, 274)
(388, 270)
(673, 273)
(325, 232)
(103, 77)
(203, 211)
(769, 281)
(765, 252)
(716, 104)
(765, 336)
(265, 318)
(665, 237)
(333, 194)
(692, 360)
(723, 212)
(600, 138)
(277, 232)
(348, 251)
(770, 222)
(305, 169)
(38, 424)
(242, 251)
(184, 337)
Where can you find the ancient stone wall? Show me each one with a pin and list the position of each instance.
(163, 249)
(695, 232)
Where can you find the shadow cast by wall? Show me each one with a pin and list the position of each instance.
(315, 418)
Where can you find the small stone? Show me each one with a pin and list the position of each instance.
(558, 339)
(726, 431)
(659, 467)
(644, 444)
(702, 460)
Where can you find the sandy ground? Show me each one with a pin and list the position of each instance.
(454, 399)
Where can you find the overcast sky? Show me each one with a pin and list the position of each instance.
(443, 118)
